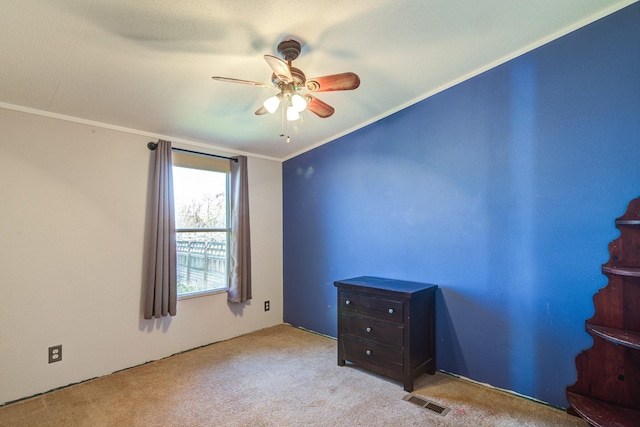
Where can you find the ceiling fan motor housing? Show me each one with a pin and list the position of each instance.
(289, 49)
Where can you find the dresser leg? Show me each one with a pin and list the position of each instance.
(431, 368)
(341, 360)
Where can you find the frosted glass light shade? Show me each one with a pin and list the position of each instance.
(298, 103)
(292, 114)
(271, 104)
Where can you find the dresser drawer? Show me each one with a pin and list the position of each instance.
(371, 353)
(369, 329)
(380, 308)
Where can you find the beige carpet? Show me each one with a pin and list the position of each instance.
(280, 376)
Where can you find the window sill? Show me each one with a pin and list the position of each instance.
(202, 293)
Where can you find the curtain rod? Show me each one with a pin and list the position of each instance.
(153, 145)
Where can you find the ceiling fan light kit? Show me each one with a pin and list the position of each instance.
(293, 85)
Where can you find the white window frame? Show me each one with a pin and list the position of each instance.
(213, 164)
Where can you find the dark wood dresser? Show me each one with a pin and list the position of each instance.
(387, 326)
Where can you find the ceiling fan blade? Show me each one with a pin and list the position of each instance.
(245, 82)
(280, 68)
(260, 111)
(318, 107)
(343, 81)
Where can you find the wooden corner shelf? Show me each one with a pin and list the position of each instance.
(607, 391)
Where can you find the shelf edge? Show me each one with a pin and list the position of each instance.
(621, 271)
(618, 336)
(602, 414)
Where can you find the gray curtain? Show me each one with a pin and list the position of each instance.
(240, 245)
(161, 291)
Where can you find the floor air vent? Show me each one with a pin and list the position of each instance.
(433, 407)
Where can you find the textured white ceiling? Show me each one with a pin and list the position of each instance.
(146, 65)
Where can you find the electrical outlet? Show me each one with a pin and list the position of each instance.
(55, 353)
(267, 306)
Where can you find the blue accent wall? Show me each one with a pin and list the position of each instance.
(502, 190)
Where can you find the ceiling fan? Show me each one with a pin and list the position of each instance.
(293, 85)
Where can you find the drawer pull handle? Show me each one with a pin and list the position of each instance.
(347, 302)
(391, 311)
(368, 352)
(368, 329)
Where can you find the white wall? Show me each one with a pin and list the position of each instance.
(72, 211)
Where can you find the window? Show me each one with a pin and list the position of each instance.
(200, 187)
